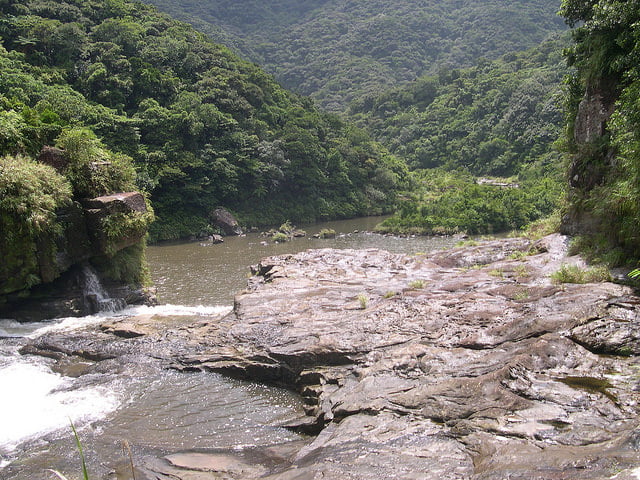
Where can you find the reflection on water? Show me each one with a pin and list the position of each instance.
(199, 273)
(204, 411)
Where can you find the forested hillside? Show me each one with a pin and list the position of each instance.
(203, 127)
(339, 50)
(499, 119)
(603, 132)
(491, 119)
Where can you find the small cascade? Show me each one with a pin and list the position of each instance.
(96, 296)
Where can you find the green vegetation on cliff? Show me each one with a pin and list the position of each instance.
(603, 131)
(30, 194)
(203, 127)
(42, 227)
(338, 51)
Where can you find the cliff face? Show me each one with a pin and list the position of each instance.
(593, 156)
(42, 272)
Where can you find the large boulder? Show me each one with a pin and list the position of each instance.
(54, 157)
(111, 221)
(221, 217)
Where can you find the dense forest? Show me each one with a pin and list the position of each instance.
(338, 51)
(202, 127)
(162, 109)
(603, 132)
(498, 119)
(491, 119)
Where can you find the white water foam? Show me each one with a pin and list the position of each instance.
(37, 401)
(179, 310)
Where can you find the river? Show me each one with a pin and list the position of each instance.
(155, 411)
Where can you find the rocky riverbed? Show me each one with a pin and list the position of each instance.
(463, 364)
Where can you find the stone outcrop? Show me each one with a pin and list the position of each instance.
(54, 157)
(590, 164)
(465, 364)
(99, 209)
(222, 218)
(594, 111)
(51, 286)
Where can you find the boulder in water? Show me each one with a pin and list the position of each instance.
(111, 221)
(222, 218)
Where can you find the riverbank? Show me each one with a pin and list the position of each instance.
(468, 363)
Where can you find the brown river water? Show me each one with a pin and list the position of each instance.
(156, 411)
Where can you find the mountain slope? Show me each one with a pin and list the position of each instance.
(338, 50)
(204, 128)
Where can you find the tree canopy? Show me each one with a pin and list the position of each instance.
(203, 127)
(337, 51)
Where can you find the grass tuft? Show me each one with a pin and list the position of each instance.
(579, 275)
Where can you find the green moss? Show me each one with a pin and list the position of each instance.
(128, 265)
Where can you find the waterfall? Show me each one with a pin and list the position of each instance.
(96, 296)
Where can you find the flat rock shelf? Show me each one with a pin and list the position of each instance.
(462, 364)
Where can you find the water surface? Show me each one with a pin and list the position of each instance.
(199, 273)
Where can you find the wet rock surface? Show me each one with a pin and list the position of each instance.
(463, 364)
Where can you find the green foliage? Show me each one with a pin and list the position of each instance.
(85, 474)
(497, 118)
(576, 274)
(327, 233)
(605, 53)
(93, 170)
(30, 193)
(363, 300)
(118, 226)
(449, 203)
(280, 237)
(287, 228)
(203, 127)
(544, 226)
(83, 463)
(338, 52)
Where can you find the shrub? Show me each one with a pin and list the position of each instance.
(363, 300)
(31, 192)
(280, 237)
(93, 170)
(327, 233)
(576, 274)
